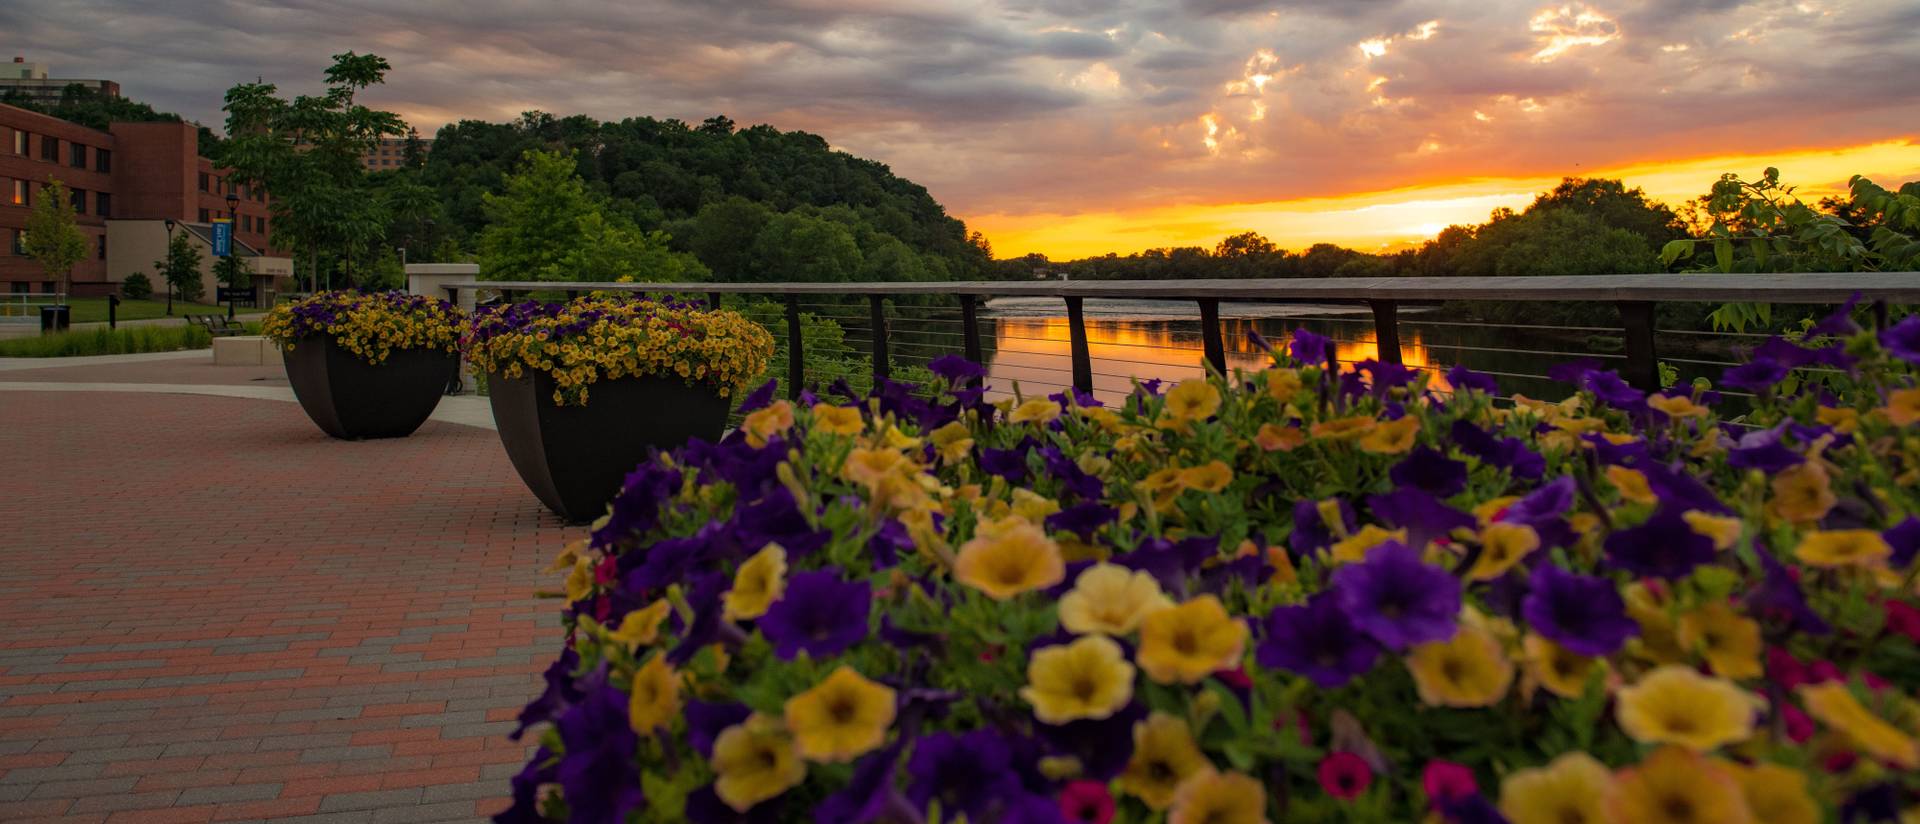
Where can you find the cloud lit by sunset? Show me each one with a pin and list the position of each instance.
(1072, 127)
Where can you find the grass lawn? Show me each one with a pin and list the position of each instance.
(92, 310)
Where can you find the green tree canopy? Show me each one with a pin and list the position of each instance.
(180, 269)
(53, 237)
(548, 226)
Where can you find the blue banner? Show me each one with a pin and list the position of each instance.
(222, 238)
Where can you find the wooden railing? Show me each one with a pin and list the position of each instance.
(1635, 296)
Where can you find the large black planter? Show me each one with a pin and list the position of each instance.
(352, 399)
(574, 458)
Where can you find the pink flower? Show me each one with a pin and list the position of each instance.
(1086, 801)
(1903, 619)
(1345, 776)
(1820, 672)
(1235, 678)
(1447, 782)
(1799, 725)
(1786, 670)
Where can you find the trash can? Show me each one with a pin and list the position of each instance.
(53, 319)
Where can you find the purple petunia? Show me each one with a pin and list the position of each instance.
(1903, 339)
(956, 369)
(1573, 371)
(1611, 389)
(1101, 745)
(1904, 537)
(1382, 376)
(1676, 488)
(1839, 323)
(1757, 375)
(707, 719)
(1761, 449)
(1311, 532)
(1506, 453)
(1779, 599)
(870, 795)
(1431, 471)
(967, 773)
(1582, 613)
(1422, 515)
(1317, 640)
(1666, 546)
(759, 398)
(1010, 464)
(819, 614)
(1083, 519)
(596, 772)
(1397, 598)
(1311, 349)
(1461, 379)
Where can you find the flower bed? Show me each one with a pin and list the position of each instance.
(593, 338)
(369, 324)
(1308, 596)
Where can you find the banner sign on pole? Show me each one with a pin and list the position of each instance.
(222, 237)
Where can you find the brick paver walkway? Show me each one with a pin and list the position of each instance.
(210, 611)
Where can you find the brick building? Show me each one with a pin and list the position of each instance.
(392, 153)
(131, 174)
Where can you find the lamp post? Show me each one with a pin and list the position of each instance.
(233, 231)
(169, 260)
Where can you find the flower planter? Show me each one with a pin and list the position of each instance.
(575, 458)
(351, 399)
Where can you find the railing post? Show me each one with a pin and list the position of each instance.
(1210, 341)
(1879, 314)
(796, 360)
(878, 303)
(970, 328)
(1643, 366)
(713, 300)
(1082, 354)
(1386, 329)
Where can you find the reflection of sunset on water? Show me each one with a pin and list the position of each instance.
(1037, 352)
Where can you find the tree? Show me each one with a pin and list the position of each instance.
(180, 269)
(233, 272)
(53, 235)
(797, 247)
(307, 153)
(722, 234)
(1615, 205)
(547, 226)
(413, 153)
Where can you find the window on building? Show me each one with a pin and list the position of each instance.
(17, 244)
(103, 204)
(19, 142)
(102, 160)
(21, 287)
(203, 185)
(103, 247)
(50, 148)
(79, 199)
(46, 287)
(22, 194)
(263, 226)
(203, 216)
(77, 155)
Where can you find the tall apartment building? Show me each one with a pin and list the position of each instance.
(126, 184)
(31, 79)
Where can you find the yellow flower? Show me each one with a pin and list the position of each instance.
(772, 419)
(952, 441)
(1562, 671)
(1843, 420)
(580, 580)
(1674, 786)
(1673, 704)
(1353, 549)
(1211, 477)
(1193, 400)
(1033, 506)
(1836, 707)
(1677, 406)
(1903, 406)
(1212, 797)
(1841, 547)
(755, 760)
(1110, 600)
(758, 583)
(1344, 429)
(1468, 670)
(1283, 384)
(655, 700)
(641, 627)
(1802, 494)
(1570, 790)
(1275, 438)
(1632, 484)
(1089, 678)
(1188, 642)
(1016, 558)
(1035, 410)
(1391, 438)
(1729, 642)
(1164, 755)
(841, 718)
(836, 420)
(1725, 531)
(1657, 640)
(868, 466)
(1776, 794)
(1163, 486)
(1501, 546)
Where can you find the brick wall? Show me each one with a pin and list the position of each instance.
(35, 171)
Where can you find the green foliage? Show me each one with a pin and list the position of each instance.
(128, 340)
(180, 269)
(307, 152)
(798, 247)
(233, 271)
(548, 226)
(53, 237)
(86, 106)
(136, 287)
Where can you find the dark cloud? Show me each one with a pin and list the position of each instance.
(1070, 105)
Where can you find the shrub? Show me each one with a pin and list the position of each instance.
(136, 287)
(580, 341)
(1300, 595)
(368, 324)
(123, 341)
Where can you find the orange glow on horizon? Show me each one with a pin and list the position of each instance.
(1385, 221)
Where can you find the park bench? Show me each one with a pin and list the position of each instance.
(217, 326)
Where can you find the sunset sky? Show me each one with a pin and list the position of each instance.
(1074, 127)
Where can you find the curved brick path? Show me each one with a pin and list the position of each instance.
(210, 611)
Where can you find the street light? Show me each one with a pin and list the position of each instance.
(233, 231)
(169, 260)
